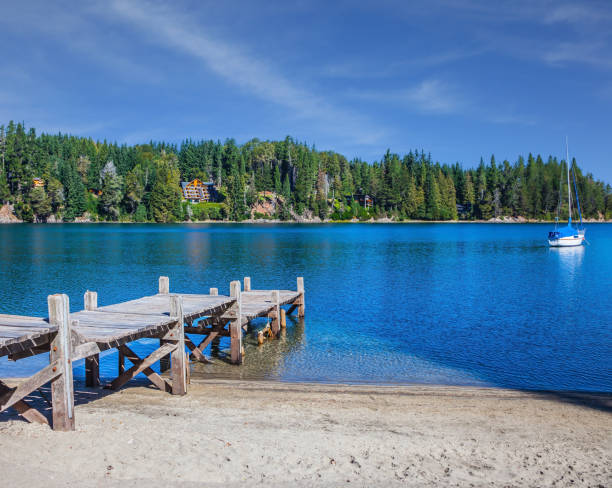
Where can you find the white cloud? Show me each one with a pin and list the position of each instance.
(428, 96)
(433, 96)
(578, 13)
(251, 72)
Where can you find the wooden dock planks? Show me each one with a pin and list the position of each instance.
(167, 316)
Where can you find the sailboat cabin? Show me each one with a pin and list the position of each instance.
(197, 191)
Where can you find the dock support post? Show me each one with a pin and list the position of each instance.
(214, 292)
(92, 363)
(300, 289)
(164, 285)
(62, 395)
(283, 319)
(164, 289)
(247, 283)
(275, 325)
(179, 371)
(236, 324)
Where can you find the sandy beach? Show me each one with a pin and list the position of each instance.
(231, 433)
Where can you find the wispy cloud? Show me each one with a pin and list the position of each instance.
(429, 96)
(594, 53)
(236, 65)
(360, 69)
(438, 98)
(572, 13)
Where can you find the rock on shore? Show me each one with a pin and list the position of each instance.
(7, 215)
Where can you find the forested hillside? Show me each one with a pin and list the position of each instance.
(106, 181)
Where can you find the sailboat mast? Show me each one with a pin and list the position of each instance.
(569, 191)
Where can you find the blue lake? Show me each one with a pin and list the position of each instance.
(467, 304)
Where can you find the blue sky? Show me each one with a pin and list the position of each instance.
(460, 79)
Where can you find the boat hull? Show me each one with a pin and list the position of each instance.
(567, 241)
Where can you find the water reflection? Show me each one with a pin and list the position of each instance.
(570, 258)
(260, 362)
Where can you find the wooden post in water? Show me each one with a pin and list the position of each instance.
(62, 394)
(275, 326)
(236, 324)
(92, 363)
(164, 285)
(247, 283)
(164, 289)
(300, 289)
(213, 292)
(283, 319)
(177, 336)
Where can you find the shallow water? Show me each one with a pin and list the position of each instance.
(468, 304)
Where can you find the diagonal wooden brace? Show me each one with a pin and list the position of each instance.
(143, 366)
(198, 351)
(11, 397)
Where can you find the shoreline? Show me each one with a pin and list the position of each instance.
(243, 433)
(312, 222)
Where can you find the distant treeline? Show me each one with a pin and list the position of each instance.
(142, 182)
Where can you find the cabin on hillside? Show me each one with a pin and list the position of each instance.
(197, 191)
(38, 182)
(366, 201)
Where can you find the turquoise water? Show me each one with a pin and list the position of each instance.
(468, 304)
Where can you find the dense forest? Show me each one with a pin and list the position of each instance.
(102, 181)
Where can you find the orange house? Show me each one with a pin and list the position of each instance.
(197, 191)
(38, 182)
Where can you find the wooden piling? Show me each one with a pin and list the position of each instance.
(247, 283)
(283, 319)
(62, 395)
(260, 337)
(164, 289)
(92, 363)
(177, 336)
(164, 285)
(214, 292)
(236, 324)
(302, 303)
(275, 325)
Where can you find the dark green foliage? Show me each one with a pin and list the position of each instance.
(142, 182)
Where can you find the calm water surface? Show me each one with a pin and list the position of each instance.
(468, 304)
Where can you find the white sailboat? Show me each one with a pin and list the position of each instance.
(568, 236)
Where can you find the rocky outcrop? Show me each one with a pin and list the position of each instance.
(7, 215)
(84, 219)
(508, 220)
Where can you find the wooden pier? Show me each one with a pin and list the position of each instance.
(69, 337)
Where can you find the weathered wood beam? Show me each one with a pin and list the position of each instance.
(214, 292)
(275, 325)
(283, 319)
(33, 351)
(157, 380)
(23, 409)
(247, 283)
(235, 324)
(302, 302)
(164, 285)
(140, 365)
(62, 394)
(11, 396)
(179, 371)
(92, 363)
(164, 289)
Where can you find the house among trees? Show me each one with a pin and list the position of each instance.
(38, 182)
(197, 191)
(366, 201)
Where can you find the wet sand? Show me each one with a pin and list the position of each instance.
(241, 433)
